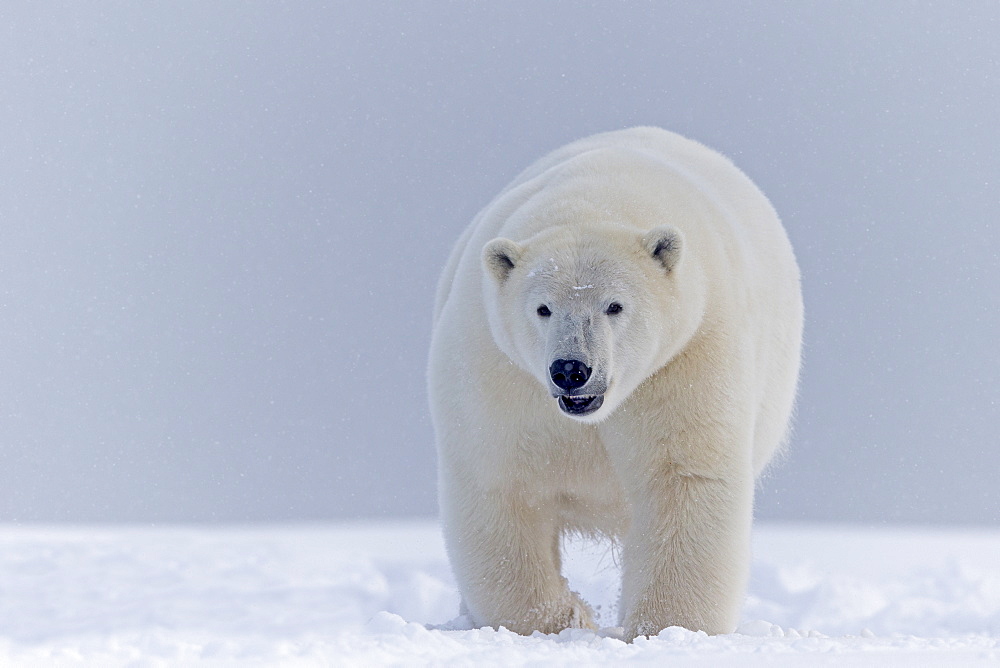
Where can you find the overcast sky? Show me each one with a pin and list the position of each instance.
(221, 225)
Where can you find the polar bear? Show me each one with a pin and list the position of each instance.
(615, 352)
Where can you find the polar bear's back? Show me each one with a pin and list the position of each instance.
(658, 159)
(753, 231)
(681, 154)
(712, 172)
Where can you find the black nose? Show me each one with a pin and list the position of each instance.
(569, 374)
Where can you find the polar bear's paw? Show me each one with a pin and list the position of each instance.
(570, 612)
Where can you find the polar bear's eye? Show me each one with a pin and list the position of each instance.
(613, 308)
(544, 311)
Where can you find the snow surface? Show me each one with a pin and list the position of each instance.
(382, 594)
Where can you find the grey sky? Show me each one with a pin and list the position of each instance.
(222, 224)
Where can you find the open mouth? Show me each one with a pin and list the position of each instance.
(582, 405)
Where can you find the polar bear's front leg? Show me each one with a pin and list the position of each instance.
(686, 556)
(505, 554)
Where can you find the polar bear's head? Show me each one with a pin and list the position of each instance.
(590, 313)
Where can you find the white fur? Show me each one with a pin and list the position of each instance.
(698, 372)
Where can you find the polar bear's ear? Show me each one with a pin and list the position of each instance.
(500, 256)
(664, 244)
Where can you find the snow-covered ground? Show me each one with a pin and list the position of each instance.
(382, 593)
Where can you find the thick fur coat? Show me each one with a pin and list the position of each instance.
(615, 350)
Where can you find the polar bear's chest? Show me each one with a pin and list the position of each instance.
(576, 477)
